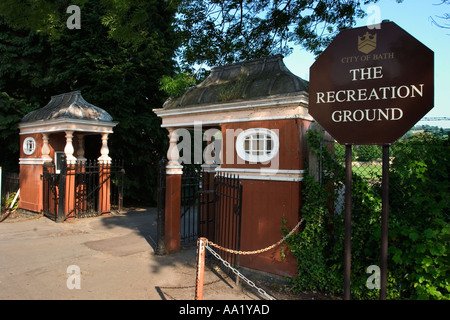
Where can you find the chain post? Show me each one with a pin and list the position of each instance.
(238, 274)
(204, 243)
(201, 244)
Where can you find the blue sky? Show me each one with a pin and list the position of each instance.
(414, 17)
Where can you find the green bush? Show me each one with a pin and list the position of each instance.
(420, 217)
(419, 227)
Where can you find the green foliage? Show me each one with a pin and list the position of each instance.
(435, 130)
(368, 153)
(220, 32)
(22, 81)
(419, 226)
(313, 246)
(310, 246)
(420, 223)
(177, 85)
(8, 201)
(359, 153)
(42, 16)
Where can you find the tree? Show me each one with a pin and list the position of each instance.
(445, 17)
(120, 74)
(218, 32)
(22, 85)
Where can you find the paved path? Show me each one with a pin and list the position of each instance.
(115, 255)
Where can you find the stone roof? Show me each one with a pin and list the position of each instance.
(249, 80)
(69, 105)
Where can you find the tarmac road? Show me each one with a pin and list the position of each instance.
(108, 257)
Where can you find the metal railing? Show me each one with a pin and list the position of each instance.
(84, 179)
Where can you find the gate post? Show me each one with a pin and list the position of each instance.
(69, 164)
(69, 209)
(160, 249)
(0, 188)
(104, 192)
(61, 191)
(172, 224)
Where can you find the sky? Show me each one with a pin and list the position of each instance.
(414, 16)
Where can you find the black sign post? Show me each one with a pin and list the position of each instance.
(384, 222)
(369, 87)
(348, 221)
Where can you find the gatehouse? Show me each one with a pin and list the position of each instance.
(253, 117)
(56, 179)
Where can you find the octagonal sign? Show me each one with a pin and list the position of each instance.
(370, 86)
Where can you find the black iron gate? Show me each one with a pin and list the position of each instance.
(191, 185)
(85, 180)
(211, 209)
(228, 208)
(51, 185)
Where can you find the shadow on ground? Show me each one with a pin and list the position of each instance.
(142, 224)
(142, 221)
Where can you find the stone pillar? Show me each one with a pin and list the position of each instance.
(45, 151)
(104, 151)
(173, 166)
(69, 204)
(46, 161)
(172, 225)
(104, 192)
(80, 151)
(68, 150)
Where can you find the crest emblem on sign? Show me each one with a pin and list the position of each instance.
(367, 43)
